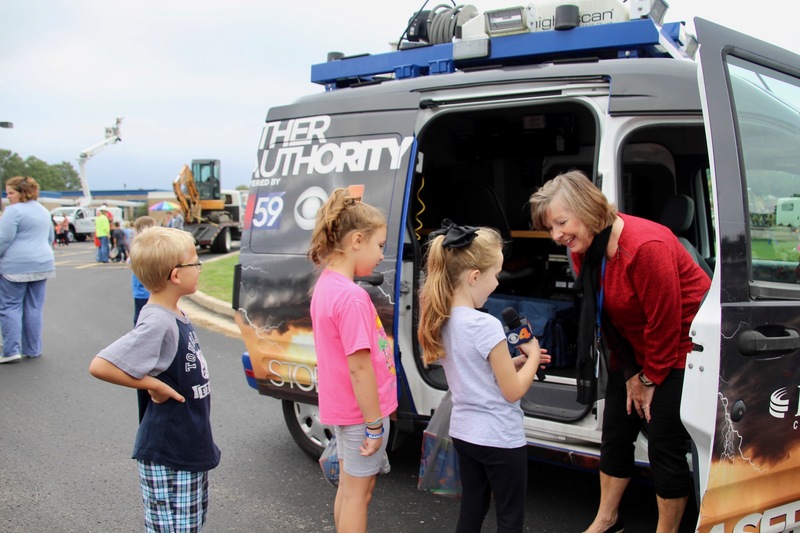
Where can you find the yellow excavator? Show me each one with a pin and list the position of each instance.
(198, 192)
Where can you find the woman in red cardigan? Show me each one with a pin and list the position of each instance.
(644, 289)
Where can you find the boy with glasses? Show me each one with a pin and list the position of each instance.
(174, 447)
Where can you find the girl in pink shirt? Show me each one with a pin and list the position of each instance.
(356, 375)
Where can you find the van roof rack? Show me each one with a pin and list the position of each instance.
(634, 38)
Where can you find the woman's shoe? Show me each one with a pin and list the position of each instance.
(617, 527)
(11, 358)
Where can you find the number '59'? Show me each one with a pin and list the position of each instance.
(267, 212)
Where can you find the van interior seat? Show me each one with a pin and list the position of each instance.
(677, 215)
(476, 204)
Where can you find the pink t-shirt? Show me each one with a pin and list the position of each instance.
(345, 321)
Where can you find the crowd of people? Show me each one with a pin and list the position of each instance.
(637, 283)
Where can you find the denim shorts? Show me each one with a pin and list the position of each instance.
(349, 439)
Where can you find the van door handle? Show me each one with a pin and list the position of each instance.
(780, 341)
(375, 279)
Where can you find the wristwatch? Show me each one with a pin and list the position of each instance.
(646, 382)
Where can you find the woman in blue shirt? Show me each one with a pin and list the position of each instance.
(26, 263)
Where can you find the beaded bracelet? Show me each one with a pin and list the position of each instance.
(373, 435)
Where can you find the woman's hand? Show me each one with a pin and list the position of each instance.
(640, 397)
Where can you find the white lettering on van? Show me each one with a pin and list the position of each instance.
(775, 520)
(293, 371)
(304, 150)
(294, 132)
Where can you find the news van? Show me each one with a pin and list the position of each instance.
(696, 138)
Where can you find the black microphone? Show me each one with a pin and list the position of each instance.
(518, 331)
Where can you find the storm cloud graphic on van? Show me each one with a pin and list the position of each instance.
(274, 318)
(765, 440)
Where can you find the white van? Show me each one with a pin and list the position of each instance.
(468, 132)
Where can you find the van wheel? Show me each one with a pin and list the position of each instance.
(304, 425)
(222, 244)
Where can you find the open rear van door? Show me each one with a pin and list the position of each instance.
(743, 378)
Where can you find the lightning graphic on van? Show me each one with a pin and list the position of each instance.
(732, 439)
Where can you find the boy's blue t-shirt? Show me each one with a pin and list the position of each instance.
(173, 434)
(138, 290)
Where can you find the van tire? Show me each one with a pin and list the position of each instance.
(304, 425)
(222, 244)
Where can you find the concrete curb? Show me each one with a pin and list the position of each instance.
(212, 304)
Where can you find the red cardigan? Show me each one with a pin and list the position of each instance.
(653, 289)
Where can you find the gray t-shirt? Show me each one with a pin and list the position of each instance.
(150, 347)
(481, 415)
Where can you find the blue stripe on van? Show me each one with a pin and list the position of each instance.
(402, 380)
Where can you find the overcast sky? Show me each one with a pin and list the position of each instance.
(194, 79)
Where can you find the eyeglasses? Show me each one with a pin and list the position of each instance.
(199, 266)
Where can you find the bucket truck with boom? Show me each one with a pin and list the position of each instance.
(81, 221)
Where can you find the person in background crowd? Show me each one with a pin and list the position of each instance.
(102, 231)
(177, 220)
(119, 242)
(26, 263)
(62, 232)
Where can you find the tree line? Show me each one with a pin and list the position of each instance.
(59, 177)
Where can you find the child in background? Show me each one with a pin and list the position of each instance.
(130, 233)
(140, 293)
(357, 379)
(174, 447)
(485, 382)
(118, 240)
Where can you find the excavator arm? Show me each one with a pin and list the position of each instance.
(188, 196)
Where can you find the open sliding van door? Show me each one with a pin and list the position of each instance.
(743, 378)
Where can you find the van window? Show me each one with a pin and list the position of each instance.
(766, 109)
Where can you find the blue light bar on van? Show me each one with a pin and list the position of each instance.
(635, 38)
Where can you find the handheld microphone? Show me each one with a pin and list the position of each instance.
(518, 331)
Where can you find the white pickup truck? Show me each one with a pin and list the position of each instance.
(81, 219)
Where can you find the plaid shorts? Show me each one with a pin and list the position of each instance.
(175, 501)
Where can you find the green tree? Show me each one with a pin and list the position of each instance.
(11, 164)
(60, 177)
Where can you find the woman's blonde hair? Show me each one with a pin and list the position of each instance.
(156, 251)
(27, 188)
(444, 271)
(579, 195)
(340, 216)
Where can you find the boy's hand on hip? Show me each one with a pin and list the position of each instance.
(164, 393)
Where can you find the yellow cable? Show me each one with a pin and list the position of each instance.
(419, 222)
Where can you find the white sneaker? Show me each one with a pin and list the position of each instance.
(10, 358)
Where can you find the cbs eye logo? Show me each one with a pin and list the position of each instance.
(307, 205)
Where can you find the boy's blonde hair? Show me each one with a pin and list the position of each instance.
(579, 195)
(156, 251)
(340, 216)
(143, 222)
(444, 271)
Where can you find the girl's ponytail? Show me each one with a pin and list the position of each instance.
(339, 216)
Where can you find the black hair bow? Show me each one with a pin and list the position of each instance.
(455, 236)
